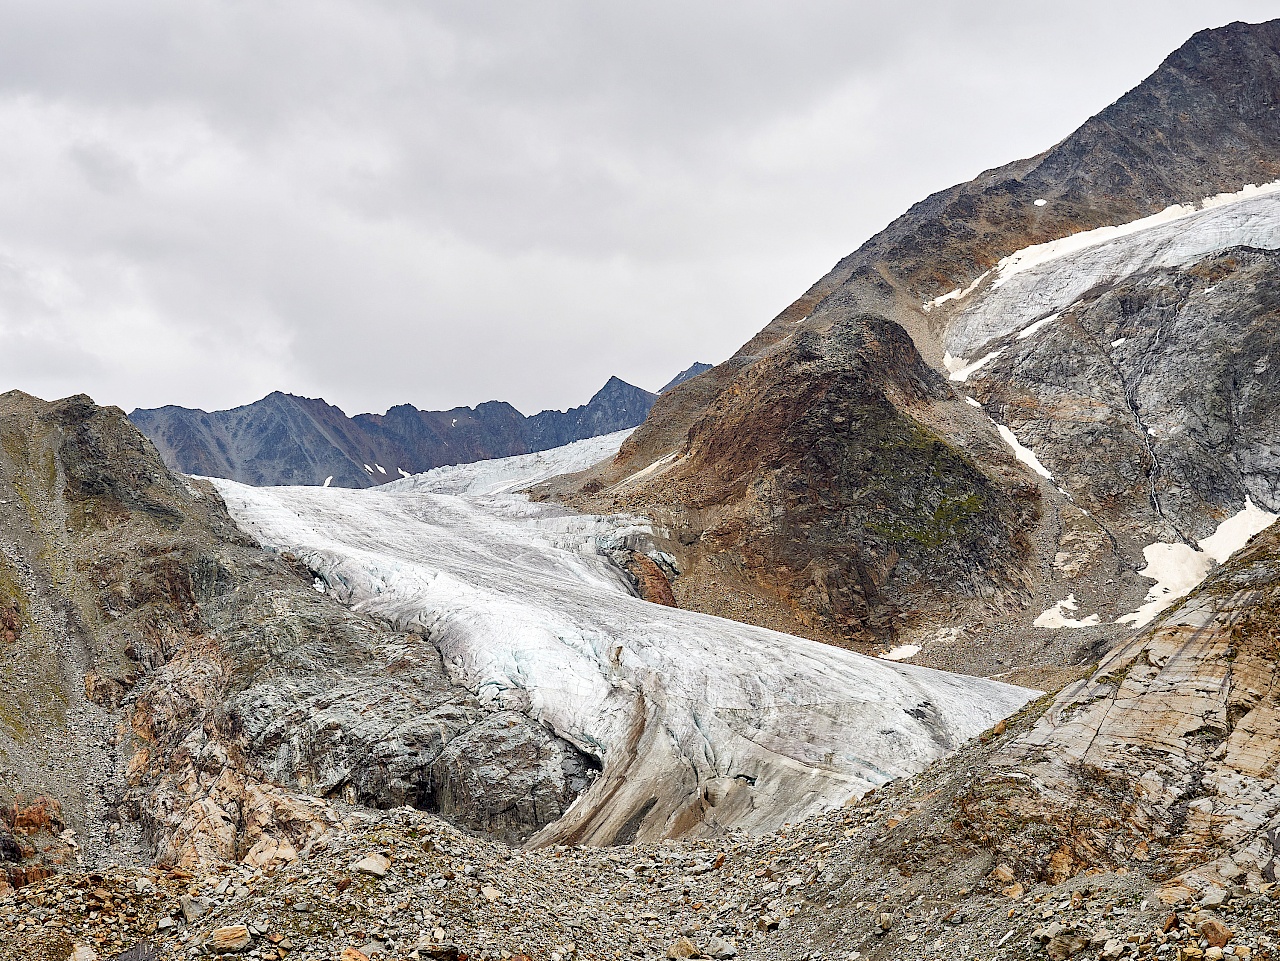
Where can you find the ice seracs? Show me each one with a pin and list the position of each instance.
(700, 724)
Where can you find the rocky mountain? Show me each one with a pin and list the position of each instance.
(284, 439)
(771, 470)
(687, 374)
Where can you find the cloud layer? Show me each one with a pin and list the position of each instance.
(443, 203)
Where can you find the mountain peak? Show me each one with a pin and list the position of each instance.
(687, 374)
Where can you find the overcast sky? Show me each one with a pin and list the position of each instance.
(391, 201)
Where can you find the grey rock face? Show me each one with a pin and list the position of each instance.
(616, 406)
(687, 374)
(283, 439)
(1154, 400)
(386, 738)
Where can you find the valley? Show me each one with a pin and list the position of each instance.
(938, 621)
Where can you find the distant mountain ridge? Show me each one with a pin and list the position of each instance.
(286, 439)
(687, 374)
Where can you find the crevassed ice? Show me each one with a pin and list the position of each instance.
(508, 474)
(701, 724)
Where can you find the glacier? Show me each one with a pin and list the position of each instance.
(701, 725)
(1046, 279)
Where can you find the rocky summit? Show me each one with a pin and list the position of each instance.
(613, 698)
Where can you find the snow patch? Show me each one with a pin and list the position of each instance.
(1178, 569)
(972, 403)
(1049, 277)
(1038, 325)
(656, 467)
(367, 468)
(381, 469)
(957, 294)
(1040, 201)
(1056, 617)
(902, 652)
(963, 373)
(402, 472)
(1037, 254)
(1024, 454)
(328, 480)
(1120, 342)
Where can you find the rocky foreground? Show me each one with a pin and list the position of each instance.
(885, 877)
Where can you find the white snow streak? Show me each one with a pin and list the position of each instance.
(903, 652)
(963, 373)
(1037, 254)
(1024, 454)
(1036, 327)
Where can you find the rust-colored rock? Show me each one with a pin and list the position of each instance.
(1215, 932)
(231, 939)
(651, 583)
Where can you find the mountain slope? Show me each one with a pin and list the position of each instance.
(1204, 123)
(167, 687)
(284, 439)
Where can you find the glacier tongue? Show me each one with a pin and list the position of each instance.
(701, 724)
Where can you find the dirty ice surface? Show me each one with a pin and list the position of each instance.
(700, 723)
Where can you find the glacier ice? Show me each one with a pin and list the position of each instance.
(1049, 277)
(700, 724)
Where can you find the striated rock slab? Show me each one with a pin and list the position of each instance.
(1171, 746)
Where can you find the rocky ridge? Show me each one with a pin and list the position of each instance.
(1202, 124)
(284, 439)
